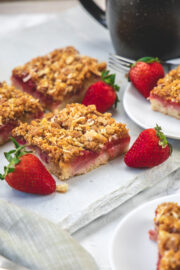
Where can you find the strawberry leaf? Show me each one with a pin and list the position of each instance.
(15, 161)
(116, 88)
(170, 148)
(104, 74)
(110, 79)
(15, 142)
(10, 170)
(8, 155)
(116, 101)
(13, 157)
(162, 138)
(148, 59)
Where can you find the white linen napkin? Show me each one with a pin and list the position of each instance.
(36, 243)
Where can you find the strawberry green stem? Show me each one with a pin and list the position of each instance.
(110, 80)
(13, 156)
(163, 141)
(147, 59)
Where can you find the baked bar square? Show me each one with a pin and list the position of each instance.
(167, 234)
(75, 140)
(165, 97)
(15, 107)
(58, 78)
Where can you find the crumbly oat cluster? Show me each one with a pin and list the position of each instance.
(60, 72)
(167, 222)
(169, 87)
(66, 134)
(15, 105)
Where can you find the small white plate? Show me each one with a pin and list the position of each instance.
(139, 110)
(131, 248)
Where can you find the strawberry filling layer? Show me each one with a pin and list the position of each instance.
(30, 88)
(88, 160)
(166, 103)
(159, 261)
(5, 131)
(153, 235)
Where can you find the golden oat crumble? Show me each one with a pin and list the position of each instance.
(167, 222)
(16, 105)
(168, 217)
(63, 188)
(169, 87)
(66, 134)
(60, 72)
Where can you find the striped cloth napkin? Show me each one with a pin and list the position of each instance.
(38, 244)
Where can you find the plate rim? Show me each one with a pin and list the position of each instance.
(126, 217)
(135, 120)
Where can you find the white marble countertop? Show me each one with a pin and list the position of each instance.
(95, 237)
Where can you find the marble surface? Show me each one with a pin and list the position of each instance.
(95, 237)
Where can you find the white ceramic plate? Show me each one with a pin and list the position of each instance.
(139, 110)
(131, 248)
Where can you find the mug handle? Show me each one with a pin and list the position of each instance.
(95, 11)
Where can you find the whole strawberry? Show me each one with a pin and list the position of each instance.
(26, 173)
(102, 93)
(145, 73)
(150, 149)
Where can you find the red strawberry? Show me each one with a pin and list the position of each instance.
(145, 73)
(150, 149)
(26, 173)
(102, 93)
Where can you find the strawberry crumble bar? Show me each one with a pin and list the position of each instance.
(58, 78)
(167, 234)
(15, 106)
(165, 97)
(75, 140)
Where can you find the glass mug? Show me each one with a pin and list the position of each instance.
(141, 27)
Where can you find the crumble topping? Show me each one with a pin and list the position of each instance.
(60, 72)
(15, 105)
(168, 217)
(63, 188)
(167, 222)
(169, 87)
(67, 134)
